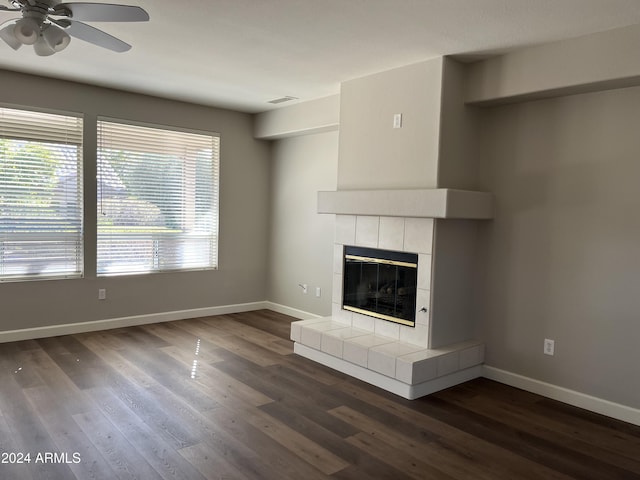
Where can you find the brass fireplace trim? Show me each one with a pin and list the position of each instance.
(389, 318)
(381, 260)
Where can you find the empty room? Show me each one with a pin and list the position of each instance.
(346, 239)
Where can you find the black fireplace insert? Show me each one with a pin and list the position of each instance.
(380, 283)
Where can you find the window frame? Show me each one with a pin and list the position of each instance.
(212, 236)
(44, 133)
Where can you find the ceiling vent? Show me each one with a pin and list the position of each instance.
(282, 100)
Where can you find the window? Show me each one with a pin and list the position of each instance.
(41, 233)
(157, 199)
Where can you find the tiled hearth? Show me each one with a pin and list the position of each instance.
(392, 356)
(399, 367)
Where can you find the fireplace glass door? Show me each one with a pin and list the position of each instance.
(380, 283)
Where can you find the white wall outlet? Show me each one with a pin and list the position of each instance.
(549, 346)
(102, 294)
(397, 120)
(318, 292)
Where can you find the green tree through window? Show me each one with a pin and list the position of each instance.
(40, 195)
(157, 199)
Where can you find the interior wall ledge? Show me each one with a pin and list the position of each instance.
(423, 203)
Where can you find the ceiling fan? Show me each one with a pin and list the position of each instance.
(48, 25)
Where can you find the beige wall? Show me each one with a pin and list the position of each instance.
(373, 155)
(561, 259)
(589, 63)
(301, 241)
(244, 215)
(453, 316)
(457, 154)
(305, 118)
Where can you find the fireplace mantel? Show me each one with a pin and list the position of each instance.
(423, 203)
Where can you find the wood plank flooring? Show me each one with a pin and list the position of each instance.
(225, 398)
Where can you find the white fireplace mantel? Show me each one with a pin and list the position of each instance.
(424, 203)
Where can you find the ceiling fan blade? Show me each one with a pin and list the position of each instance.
(101, 12)
(92, 35)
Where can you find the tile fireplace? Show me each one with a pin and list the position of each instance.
(375, 333)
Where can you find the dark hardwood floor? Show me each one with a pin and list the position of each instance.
(225, 398)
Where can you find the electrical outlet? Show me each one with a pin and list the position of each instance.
(549, 346)
(102, 294)
(318, 292)
(397, 120)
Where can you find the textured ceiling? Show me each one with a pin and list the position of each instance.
(239, 54)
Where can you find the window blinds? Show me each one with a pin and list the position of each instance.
(157, 199)
(41, 234)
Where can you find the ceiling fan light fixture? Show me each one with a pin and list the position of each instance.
(9, 37)
(55, 37)
(27, 30)
(42, 48)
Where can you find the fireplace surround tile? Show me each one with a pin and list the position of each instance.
(345, 229)
(363, 321)
(391, 235)
(340, 315)
(336, 288)
(411, 235)
(367, 230)
(424, 271)
(418, 335)
(423, 299)
(338, 258)
(386, 329)
(418, 235)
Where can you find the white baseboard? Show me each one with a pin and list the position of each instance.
(107, 324)
(292, 312)
(577, 399)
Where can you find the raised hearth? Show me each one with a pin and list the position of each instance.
(411, 359)
(398, 367)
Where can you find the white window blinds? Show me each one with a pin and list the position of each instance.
(41, 233)
(157, 199)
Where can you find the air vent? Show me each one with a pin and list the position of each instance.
(282, 100)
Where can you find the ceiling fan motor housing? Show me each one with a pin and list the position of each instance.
(27, 29)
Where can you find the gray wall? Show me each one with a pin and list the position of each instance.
(589, 63)
(453, 316)
(301, 240)
(305, 118)
(561, 260)
(457, 154)
(374, 155)
(244, 199)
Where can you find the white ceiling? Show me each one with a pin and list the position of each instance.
(239, 54)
